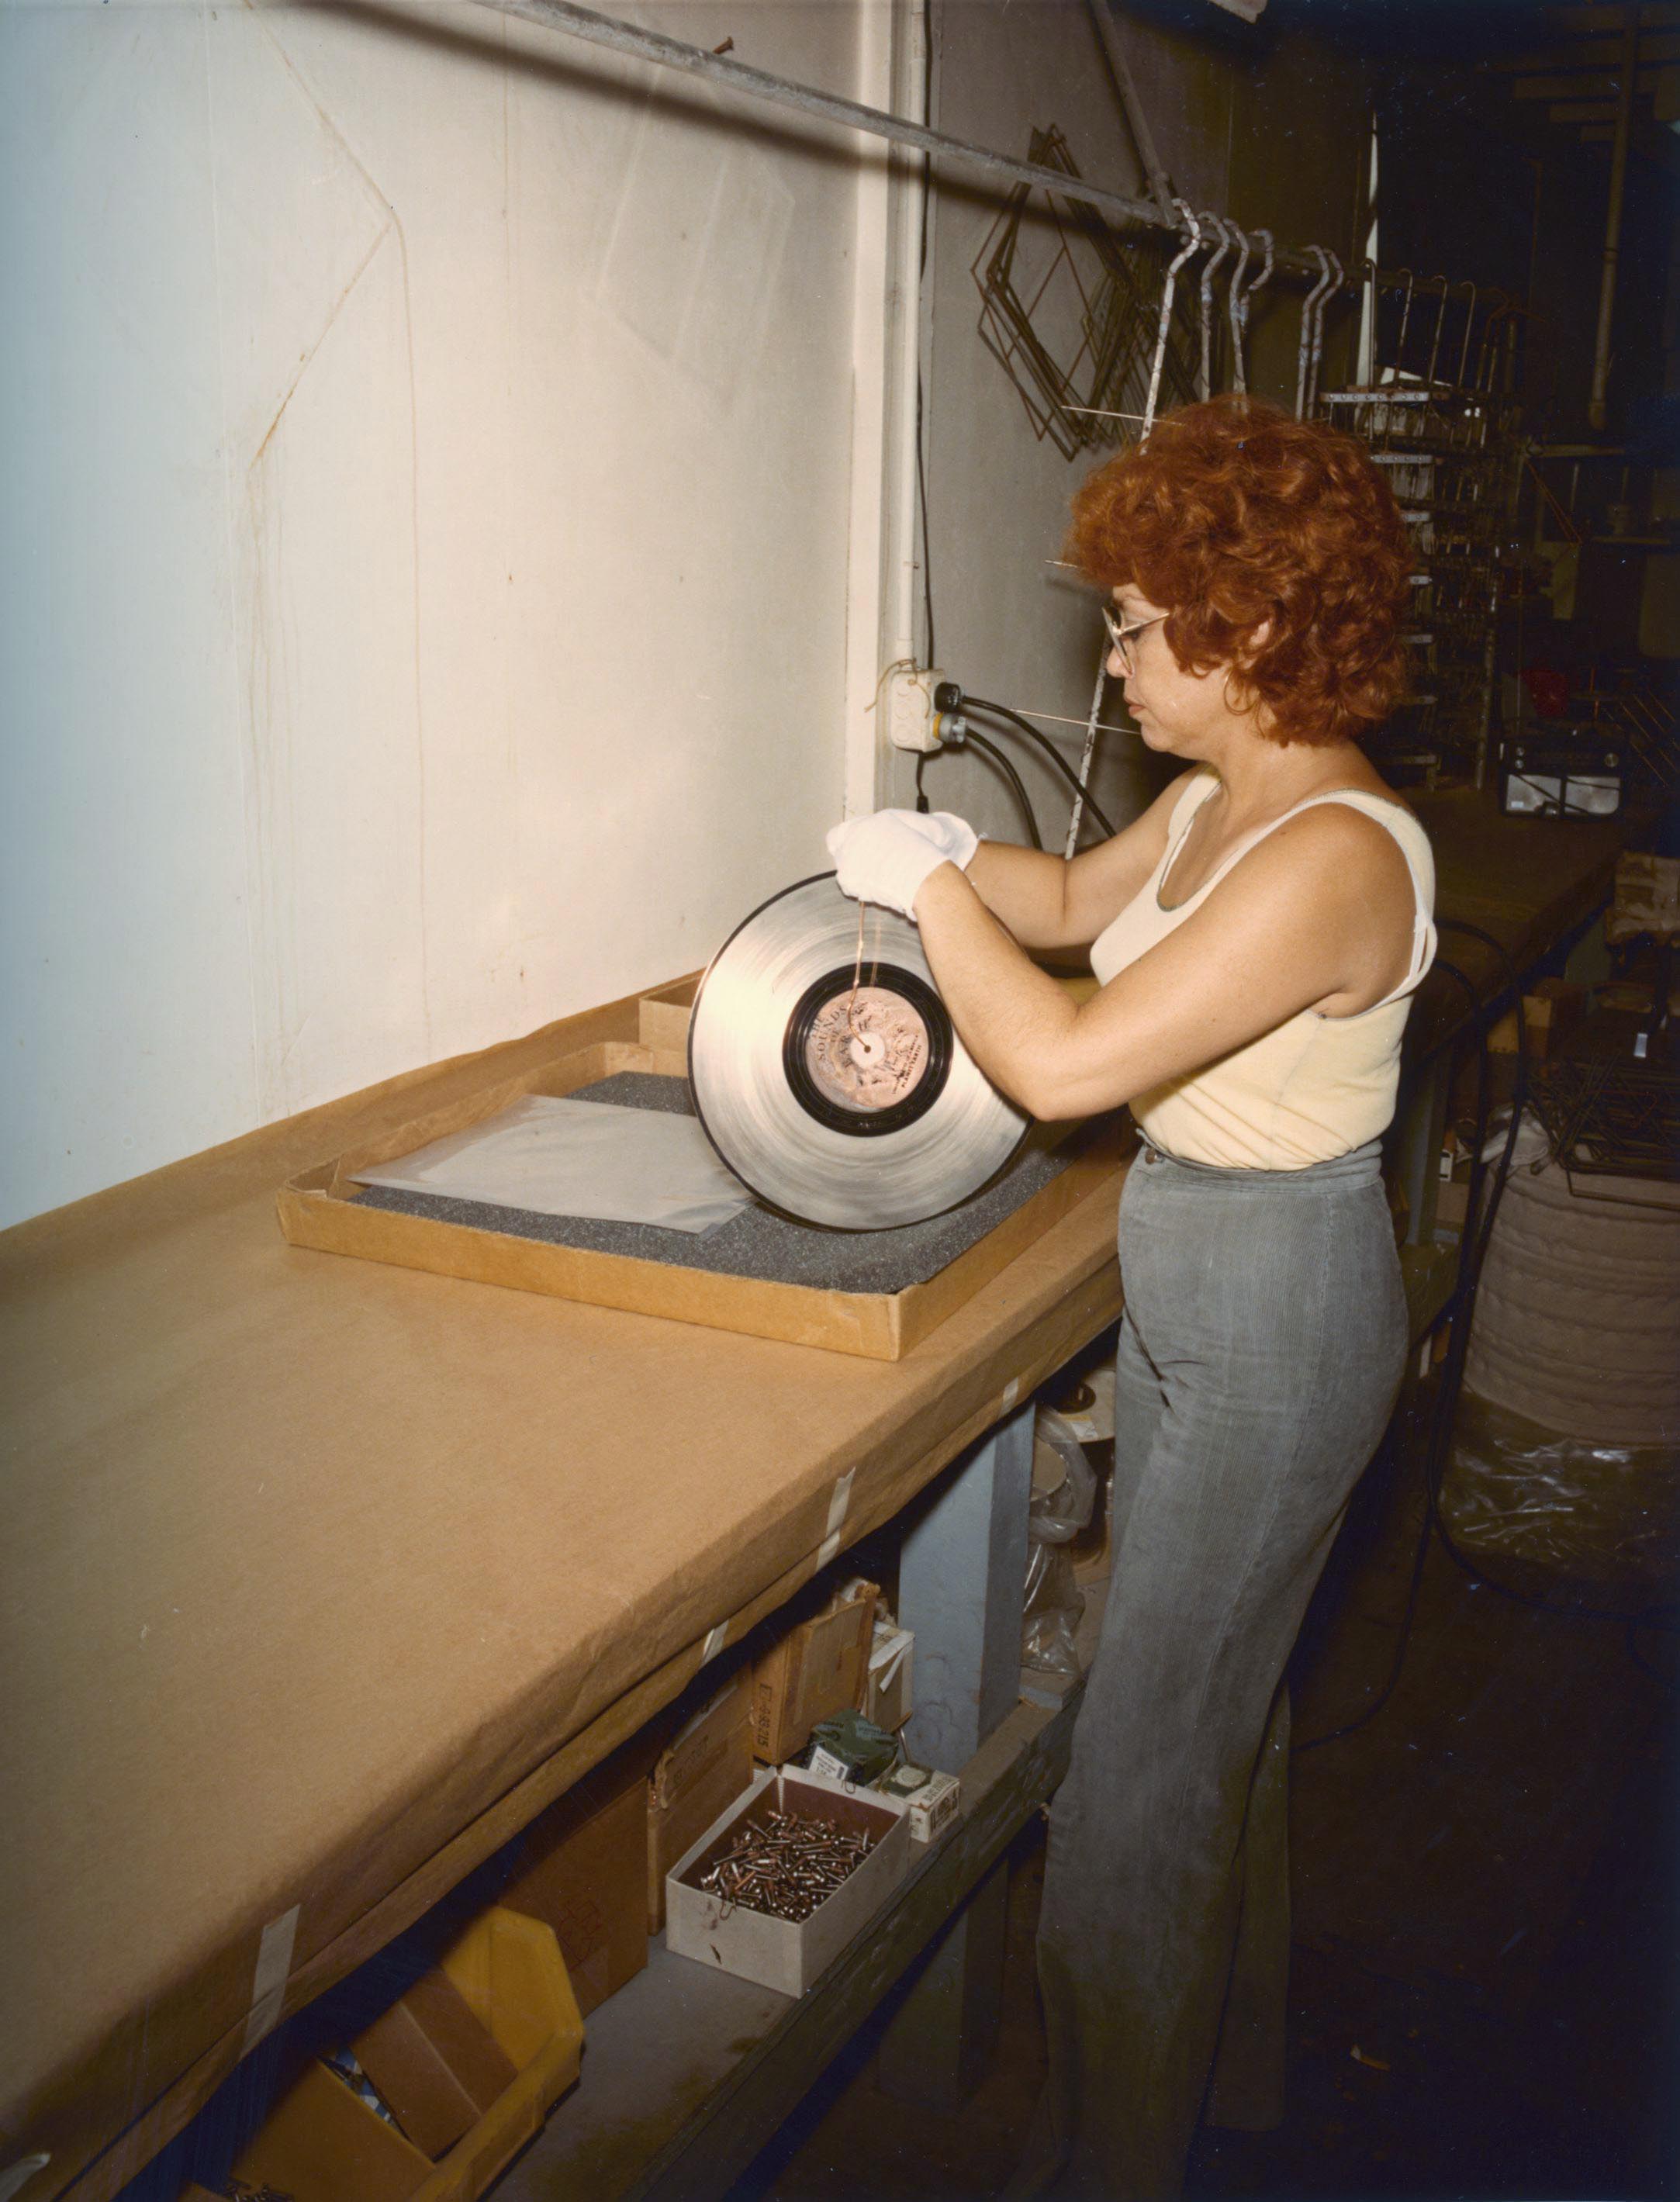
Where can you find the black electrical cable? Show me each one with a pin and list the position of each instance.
(1474, 1242)
(1438, 1421)
(972, 741)
(1054, 755)
(1653, 1615)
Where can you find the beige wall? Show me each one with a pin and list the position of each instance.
(428, 446)
(458, 505)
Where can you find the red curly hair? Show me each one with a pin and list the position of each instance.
(1235, 515)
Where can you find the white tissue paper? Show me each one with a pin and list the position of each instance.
(562, 1157)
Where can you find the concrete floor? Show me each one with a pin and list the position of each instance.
(1485, 1970)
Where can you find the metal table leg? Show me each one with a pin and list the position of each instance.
(960, 1584)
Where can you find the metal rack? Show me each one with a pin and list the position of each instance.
(1074, 269)
(1451, 453)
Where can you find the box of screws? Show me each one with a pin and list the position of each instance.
(777, 1887)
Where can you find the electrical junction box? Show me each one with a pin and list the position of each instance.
(912, 723)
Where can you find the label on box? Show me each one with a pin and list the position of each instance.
(933, 1807)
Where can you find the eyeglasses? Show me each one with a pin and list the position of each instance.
(1122, 637)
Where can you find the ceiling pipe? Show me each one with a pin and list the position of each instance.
(629, 38)
(1612, 224)
(1137, 116)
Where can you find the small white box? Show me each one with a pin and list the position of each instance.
(934, 1806)
(930, 1799)
(888, 1699)
(786, 1954)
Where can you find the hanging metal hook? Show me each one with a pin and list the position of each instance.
(1440, 316)
(1368, 285)
(1243, 305)
(1234, 302)
(1204, 380)
(1309, 309)
(1493, 329)
(1173, 266)
(1324, 297)
(1469, 324)
(1405, 315)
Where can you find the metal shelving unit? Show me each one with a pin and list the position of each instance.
(1451, 456)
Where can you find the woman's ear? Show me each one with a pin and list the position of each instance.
(1238, 696)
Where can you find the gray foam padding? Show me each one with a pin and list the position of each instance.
(758, 1243)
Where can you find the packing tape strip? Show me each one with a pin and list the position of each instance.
(715, 1640)
(274, 1969)
(837, 1512)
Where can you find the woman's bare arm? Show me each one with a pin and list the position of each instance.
(1047, 903)
(1321, 908)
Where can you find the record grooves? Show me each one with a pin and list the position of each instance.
(839, 1092)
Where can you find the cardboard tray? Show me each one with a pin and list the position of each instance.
(318, 1208)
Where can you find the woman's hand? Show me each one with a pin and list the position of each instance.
(885, 858)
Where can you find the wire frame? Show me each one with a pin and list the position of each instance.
(1069, 309)
(1611, 1119)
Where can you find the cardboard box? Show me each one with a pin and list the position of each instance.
(816, 1667)
(888, 1697)
(1647, 898)
(930, 1798)
(662, 1017)
(438, 2068)
(1551, 1011)
(1452, 1203)
(785, 1954)
(582, 1867)
(695, 1779)
(322, 2143)
(320, 1208)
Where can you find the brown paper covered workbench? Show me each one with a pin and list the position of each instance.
(324, 1576)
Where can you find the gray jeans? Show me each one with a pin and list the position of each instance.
(1260, 1353)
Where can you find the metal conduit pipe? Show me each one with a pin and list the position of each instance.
(1101, 13)
(597, 30)
(1613, 222)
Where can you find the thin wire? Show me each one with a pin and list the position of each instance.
(858, 971)
(1061, 719)
(922, 494)
(1087, 755)
(920, 278)
(1433, 1422)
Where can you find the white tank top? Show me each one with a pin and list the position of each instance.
(1316, 1086)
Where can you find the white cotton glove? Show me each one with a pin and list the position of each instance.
(885, 858)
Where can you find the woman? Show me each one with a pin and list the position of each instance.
(1258, 933)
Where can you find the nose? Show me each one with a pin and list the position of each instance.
(1115, 664)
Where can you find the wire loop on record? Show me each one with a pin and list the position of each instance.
(834, 1086)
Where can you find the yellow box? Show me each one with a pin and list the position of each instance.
(322, 2143)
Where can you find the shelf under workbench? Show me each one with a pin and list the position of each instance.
(689, 2073)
